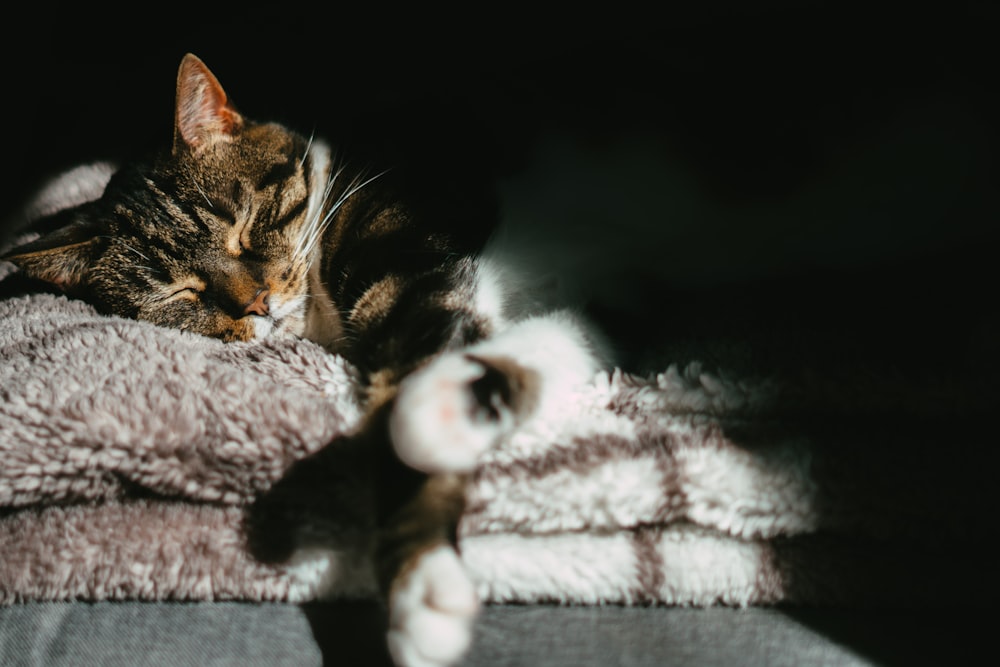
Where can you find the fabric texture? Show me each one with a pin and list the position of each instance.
(223, 634)
(140, 463)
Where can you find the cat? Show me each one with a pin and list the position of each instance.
(244, 230)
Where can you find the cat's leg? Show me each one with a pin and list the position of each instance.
(430, 601)
(456, 407)
(444, 416)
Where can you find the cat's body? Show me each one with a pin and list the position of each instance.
(244, 231)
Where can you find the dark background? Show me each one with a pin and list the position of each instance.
(816, 178)
(790, 185)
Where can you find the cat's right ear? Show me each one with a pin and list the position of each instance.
(203, 113)
(63, 254)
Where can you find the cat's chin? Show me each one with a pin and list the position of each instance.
(286, 320)
(292, 326)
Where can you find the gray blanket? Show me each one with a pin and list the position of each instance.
(144, 463)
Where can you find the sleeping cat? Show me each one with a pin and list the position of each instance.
(243, 231)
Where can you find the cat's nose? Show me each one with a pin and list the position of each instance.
(258, 305)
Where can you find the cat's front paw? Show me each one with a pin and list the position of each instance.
(451, 411)
(432, 610)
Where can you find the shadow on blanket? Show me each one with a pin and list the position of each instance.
(131, 458)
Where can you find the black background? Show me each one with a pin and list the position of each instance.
(726, 168)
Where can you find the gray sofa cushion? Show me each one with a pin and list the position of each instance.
(113, 634)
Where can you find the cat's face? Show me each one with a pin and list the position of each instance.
(218, 243)
(216, 236)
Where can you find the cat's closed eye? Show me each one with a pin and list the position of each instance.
(189, 289)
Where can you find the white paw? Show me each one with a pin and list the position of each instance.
(432, 611)
(449, 413)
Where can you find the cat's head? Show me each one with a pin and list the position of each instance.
(214, 234)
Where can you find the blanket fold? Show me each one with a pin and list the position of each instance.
(145, 463)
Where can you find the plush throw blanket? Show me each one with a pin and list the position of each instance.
(144, 463)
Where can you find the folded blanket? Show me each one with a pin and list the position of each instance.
(145, 463)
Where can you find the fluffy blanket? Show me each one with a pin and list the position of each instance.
(144, 463)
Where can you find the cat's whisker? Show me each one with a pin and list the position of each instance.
(314, 227)
(317, 226)
(309, 144)
(130, 248)
(202, 193)
(352, 187)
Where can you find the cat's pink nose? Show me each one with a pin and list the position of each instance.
(259, 304)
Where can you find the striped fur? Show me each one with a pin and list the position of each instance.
(245, 231)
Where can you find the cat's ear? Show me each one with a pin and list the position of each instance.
(63, 255)
(203, 113)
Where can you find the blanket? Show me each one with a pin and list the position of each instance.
(142, 463)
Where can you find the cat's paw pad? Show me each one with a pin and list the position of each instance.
(450, 412)
(432, 610)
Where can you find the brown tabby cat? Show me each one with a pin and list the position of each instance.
(243, 230)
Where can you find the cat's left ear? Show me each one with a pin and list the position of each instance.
(62, 256)
(203, 113)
